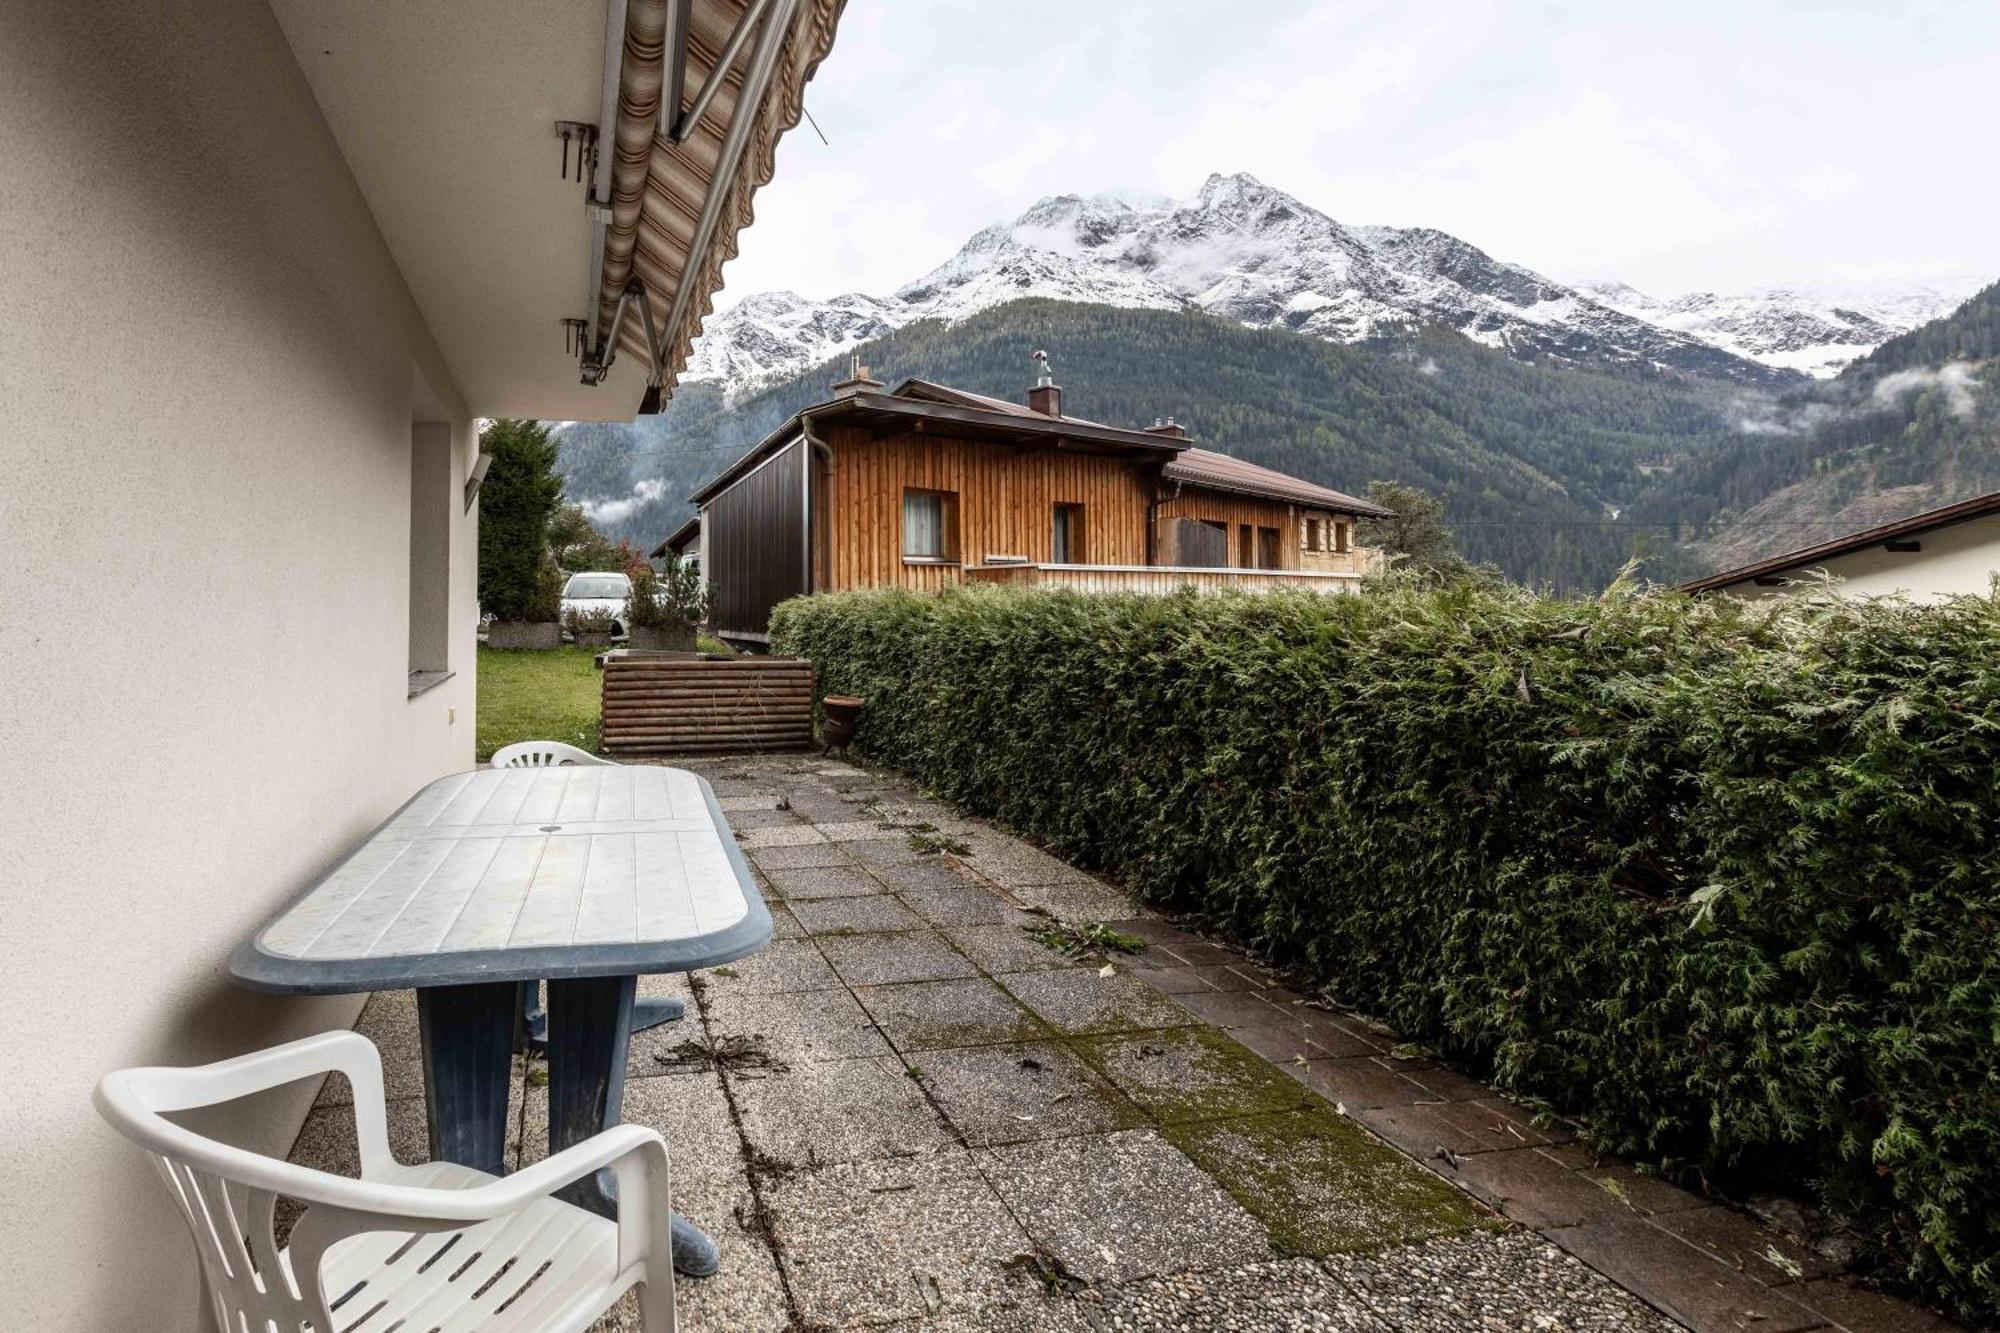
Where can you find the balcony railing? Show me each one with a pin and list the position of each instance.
(1160, 580)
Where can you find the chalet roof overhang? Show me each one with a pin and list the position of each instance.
(518, 242)
(677, 542)
(1979, 506)
(888, 412)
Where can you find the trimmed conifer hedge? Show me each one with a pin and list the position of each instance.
(1721, 879)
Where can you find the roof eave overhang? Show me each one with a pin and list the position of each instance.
(1979, 506)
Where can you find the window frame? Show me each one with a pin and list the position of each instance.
(1065, 514)
(947, 527)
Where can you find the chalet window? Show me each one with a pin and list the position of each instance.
(1067, 543)
(1340, 537)
(1311, 542)
(929, 519)
(1267, 548)
(1246, 546)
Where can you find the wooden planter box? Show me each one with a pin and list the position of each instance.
(683, 703)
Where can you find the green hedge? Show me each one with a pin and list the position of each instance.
(1721, 879)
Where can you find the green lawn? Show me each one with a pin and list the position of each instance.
(531, 695)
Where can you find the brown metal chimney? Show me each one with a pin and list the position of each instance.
(1046, 396)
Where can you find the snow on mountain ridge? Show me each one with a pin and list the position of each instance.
(1244, 251)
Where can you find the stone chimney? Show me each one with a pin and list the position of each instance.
(1168, 427)
(1046, 396)
(857, 381)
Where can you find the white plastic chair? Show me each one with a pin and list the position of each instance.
(543, 754)
(367, 1256)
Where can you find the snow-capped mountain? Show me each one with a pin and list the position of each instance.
(775, 333)
(1816, 329)
(1243, 251)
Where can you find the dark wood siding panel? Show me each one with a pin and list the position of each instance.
(754, 543)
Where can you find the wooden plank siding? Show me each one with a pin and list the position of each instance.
(754, 544)
(1238, 511)
(1006, 498)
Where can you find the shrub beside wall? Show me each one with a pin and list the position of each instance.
(1721, 879)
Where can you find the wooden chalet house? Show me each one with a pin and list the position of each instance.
(921, 486)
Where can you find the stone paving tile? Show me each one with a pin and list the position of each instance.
(1530, 1188)
(1077, 900)
(1699, 1291)
(790, 835)
(970, 1011)
(795, 1029)
(784, 926)
(688, 1109)
(1006, 947)
(1484, 1281)
(734, 805)
(1643, 1193)
(389, 1019)
(1017, 1093)
(875, 914)
(326, 1141)
(747, 1295)
(1359, 1083)
(837, 1111)
(1033, 1314)
(886, 851)
(883, 1240)
(1321, 1184)
(874, 960)
(809, 882)
(670, 1048)
(1762, 1253)
(931, 873)
(763, 819)
(1417, 1130)
(666, 986)
(961, 904)
(1442, 1082)
(768, 859)
(1117, 1207)
(1235, 1009)
(1498, 1125)
(1859, 1310)
(1191, 1074)
(1081, 1000)
(1177, 978)
(779, 967)
(1282, 1296)
(847, 828)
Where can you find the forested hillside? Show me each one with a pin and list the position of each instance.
(1535, 463)
(1556, 475)
(1912, 426)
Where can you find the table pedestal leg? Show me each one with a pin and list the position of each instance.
(468, 1041)
(590, 1031)
(649, 1013)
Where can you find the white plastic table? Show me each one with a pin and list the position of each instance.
(587, 877)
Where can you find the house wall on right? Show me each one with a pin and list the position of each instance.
(1961, 558)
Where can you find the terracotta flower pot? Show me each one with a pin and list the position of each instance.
(838, 714)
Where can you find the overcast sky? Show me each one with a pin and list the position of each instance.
(1683, 145)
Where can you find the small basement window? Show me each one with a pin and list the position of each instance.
(930, 523)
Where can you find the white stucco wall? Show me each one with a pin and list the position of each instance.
(1962, 558)
(206, 359)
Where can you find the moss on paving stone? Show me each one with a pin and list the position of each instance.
(1321, 1184)
(1188, 1074)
